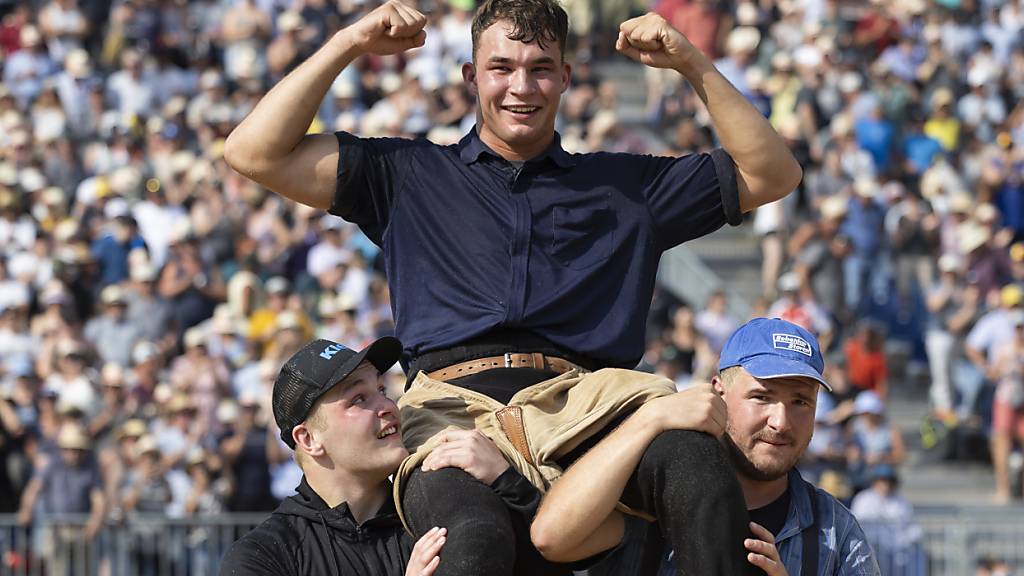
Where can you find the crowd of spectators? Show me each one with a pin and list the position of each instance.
(903, 247)
(149, 294)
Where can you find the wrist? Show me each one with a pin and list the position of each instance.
(694, 66)
(646, 422)
(344, 46)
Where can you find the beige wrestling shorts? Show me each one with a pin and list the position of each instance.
(540, 424)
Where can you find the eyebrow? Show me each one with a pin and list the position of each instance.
(759, 389)
(505, 60)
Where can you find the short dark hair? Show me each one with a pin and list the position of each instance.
(539, 21)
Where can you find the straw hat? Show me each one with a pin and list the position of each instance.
(343, 89)
(960, 203)
(77, 63)
(287, 320)
(743, 39)
(289, 21)
(146, 445)
(986, 213)
(949, 263)
(178, 403)
(30, 36)
(112, 294)
(73, 437)
(972, 237)
(144, 272)
(195, 337)
(112, 374)
(942, 97)
(866, 187)
(133, 428)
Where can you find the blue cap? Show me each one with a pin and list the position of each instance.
(774, 348)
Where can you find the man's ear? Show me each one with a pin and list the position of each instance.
(469, 77)
(566, 76)
(718, 385)
(306, 442)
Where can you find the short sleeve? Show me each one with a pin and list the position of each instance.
(979, 337)
(692, 195)
(369, 176)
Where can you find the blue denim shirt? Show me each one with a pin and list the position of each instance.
(842, 548)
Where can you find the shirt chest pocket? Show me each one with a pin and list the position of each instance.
(583, 235)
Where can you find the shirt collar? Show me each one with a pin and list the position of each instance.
(471, 147)
(800, 514)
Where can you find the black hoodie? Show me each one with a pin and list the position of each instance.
(305, 536)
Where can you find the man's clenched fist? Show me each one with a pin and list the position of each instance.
(651, 40)
(392, 28)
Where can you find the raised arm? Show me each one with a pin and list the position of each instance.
(577, 518)
(271, 146)
(765, 168)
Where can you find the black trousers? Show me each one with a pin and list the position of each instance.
(684, 479)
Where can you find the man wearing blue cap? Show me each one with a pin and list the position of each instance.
(768, 378)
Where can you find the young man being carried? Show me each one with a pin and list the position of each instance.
(521, 274)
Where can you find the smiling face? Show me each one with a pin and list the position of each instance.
(770, 421)
(354, 426)
(518, 86)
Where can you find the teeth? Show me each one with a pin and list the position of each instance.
(521, 108)
(387, 432)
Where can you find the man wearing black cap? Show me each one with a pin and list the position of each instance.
(763, 410)
(330, 405)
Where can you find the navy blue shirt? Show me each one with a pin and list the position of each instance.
(565, 246)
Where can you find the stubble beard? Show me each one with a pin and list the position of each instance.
(747, 468)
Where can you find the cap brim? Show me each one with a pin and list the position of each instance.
(382, 353)
(768, 367)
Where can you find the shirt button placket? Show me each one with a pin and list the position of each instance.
(519, 250)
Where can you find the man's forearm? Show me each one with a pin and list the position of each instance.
(279, 121)
(581, 500)
(762, 157)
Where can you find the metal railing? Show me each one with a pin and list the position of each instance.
(946, 545)
(940, 544)
(139, 546)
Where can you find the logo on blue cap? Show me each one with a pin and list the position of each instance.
(792, 343)
(774, 348)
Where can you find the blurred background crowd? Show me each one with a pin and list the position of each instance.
(148, 294)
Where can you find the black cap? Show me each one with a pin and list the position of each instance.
(315, 369)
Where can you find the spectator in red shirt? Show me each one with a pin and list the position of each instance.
(865, 359)
(698, 20)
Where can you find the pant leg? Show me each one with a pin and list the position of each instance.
(853, 281)
(939, 347)
(685, 479)
(484, 537)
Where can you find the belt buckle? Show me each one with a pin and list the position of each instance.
(508, 360)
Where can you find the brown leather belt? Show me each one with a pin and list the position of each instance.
(509, 360)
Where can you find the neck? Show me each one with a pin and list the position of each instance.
(364, 497)
(508, 152)
(758, 493)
